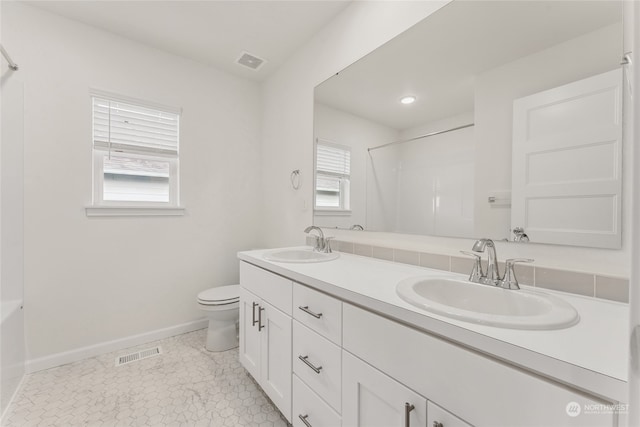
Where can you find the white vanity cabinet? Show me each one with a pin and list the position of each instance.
(328, 363)
(471, 386)
(266, 332)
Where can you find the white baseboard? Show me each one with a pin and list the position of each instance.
(58, 359)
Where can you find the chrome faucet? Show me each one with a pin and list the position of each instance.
(323, 244)
(492, 276)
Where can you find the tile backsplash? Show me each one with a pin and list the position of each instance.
(587, 284)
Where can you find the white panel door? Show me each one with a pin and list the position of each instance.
(276, 357)
(567, 152)
(372, 399)
(250, 345)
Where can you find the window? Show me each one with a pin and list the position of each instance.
(333, 169)
(135, 153)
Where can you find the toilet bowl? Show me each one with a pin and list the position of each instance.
(222, 308)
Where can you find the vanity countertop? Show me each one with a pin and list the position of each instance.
(591, 355)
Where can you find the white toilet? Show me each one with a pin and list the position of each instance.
(222, 307)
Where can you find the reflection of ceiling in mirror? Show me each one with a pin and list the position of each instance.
(437, 59)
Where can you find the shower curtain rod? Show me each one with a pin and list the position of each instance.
(12, 64)
(421, 136)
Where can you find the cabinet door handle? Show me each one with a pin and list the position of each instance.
(303, 418)
(253, 314)
(408, 407)
(437, 424)
(306, 310)
(260, 325)
(305, 359)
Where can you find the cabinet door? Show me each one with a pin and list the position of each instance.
(276, 357)
(249, 334)
(438, 417)
(372, 399)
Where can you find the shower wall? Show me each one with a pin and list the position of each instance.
(12, 349)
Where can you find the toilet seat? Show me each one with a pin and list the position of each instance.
(220, 296)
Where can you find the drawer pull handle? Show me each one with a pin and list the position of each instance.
(260, 325)
(253, 314)
(306, 310)
(309, 364)
(408, 407)
(437, 424)
(303, 418)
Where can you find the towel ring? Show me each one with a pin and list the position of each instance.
(295, 179)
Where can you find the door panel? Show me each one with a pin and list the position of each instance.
(372, 399)
(276, 357)
(567, 155)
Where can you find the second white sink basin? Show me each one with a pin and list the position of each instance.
(489, 305)
(299, 256)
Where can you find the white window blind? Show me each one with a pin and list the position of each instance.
(333, 159)
(123, 127)
(333, 169)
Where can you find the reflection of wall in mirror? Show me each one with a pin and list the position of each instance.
(359, 134)
(495, 91)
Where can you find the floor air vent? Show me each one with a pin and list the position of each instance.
(134, 357)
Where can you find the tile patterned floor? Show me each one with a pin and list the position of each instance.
(185, 386)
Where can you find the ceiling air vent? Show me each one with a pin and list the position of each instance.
(250, 61)
(134, 357)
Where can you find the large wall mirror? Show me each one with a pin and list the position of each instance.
(485, 118)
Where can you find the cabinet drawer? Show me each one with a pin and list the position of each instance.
(436, 417)
(318, 311)
(321, 368)
(307, 405)
(274, 289)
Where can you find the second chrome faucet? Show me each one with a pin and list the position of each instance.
(323, 244)
(492, 276)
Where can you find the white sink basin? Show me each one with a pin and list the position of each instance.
(488, 305)
(299, 255)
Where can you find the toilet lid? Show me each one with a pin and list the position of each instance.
(220, 295)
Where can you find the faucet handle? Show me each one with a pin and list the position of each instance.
(509, 281)
(512, 261)
(327, 244)
(476, 273)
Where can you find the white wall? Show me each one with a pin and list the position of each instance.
(287, 142)
(90, 280)
(359, 134)
(12, 351)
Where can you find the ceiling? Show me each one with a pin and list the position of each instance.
(437, 60)
(213, 32)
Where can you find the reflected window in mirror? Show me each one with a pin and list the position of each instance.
(333, 176)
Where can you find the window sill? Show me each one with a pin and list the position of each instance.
(331, 212)
(134, 211)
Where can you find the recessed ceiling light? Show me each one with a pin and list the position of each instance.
(408, 99)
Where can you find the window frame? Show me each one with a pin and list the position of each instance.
(344, 192)
(101, 207)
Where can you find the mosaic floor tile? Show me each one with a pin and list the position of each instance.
(184, 386)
